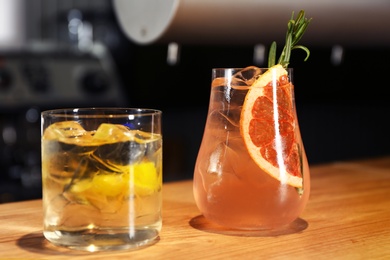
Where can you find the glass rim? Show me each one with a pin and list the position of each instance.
(241, 68)
(102, 112)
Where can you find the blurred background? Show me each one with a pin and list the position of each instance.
(159, 54)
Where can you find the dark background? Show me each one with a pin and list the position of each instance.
(342, 107)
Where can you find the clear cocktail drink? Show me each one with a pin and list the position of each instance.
(102, 177)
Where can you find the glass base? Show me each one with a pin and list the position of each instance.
(102, 240)
(203, 224)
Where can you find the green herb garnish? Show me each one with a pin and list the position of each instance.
(295, 30)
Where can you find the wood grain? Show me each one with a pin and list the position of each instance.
(347, 217)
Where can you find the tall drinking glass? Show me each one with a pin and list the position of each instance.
(251, 172)
(102, 177)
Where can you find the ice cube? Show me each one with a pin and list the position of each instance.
(223, 159)
(112, 133)
(230, 119)
(241, 80)
(247, 76)
(65, 129)
(153, 150)
(84, 169)
(217, 82)
(124, 146)
(120, 153)
(119, 146)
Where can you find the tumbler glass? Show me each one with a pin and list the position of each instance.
(101, 177)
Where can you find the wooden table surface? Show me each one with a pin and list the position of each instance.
(347, 217)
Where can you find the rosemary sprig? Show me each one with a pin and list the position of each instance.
(295, 30)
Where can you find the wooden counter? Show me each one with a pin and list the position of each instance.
(347, 217)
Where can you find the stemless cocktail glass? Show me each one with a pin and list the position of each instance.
(251, 171)
(102, 177)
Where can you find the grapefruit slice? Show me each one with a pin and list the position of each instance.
(267, 126)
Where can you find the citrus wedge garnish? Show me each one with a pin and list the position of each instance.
(267, 122)
(268, 128)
